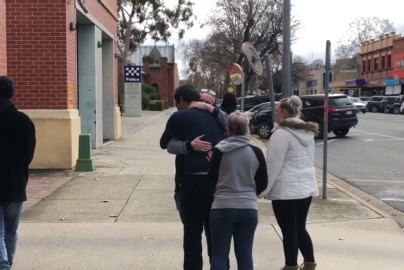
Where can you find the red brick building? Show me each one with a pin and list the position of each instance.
(398, 59)
(160, 69)
(377, 65)
(61, 56)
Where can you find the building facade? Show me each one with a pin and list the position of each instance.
(398, 61)
(61, 57)
(159, 69)
(377, 66)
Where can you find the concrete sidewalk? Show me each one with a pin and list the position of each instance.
(122, 216)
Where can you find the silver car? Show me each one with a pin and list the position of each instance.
(359, 104)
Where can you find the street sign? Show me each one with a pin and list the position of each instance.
(235, 73)
(133, 74)
(253, 58)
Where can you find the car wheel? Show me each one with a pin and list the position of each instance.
(386, 110)
(341, 132)
(396, 110)
(374, 109)
(264, 130)
(364, 111)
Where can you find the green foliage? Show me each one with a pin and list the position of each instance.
(156, 105)
(145, 100)
(150, 91)
(140, 19)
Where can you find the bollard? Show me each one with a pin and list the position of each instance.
(84, 162)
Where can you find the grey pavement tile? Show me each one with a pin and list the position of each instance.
(71, 211)
(97, 187)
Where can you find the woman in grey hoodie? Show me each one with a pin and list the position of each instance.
(239, 171)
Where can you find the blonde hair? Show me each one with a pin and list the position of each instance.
(237, 124)
(292, 105)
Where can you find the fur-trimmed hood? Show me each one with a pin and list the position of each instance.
(303, 131)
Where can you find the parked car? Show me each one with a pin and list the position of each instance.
(394, 105)
(251, 101)
(364, 99)
(387, 103)
(359, 104)
(255, 109)
(402, 108)
(341, 115)
(373, 103)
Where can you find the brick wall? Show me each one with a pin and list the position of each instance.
(37, 56)
(161, 78)
(3, 52)
(41, 50)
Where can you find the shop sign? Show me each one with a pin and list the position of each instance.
(391, 82)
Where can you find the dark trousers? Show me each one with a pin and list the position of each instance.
(291, 216)
(239, 224)
(196, 200)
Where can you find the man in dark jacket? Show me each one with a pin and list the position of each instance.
(196, 193)
(17, 145)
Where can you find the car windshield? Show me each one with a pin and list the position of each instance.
(261, 106)
(340, 101)
(356, 100)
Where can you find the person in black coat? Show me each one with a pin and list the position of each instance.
(17, 146)
(229, 103)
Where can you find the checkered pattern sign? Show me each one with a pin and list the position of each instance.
(133, 74)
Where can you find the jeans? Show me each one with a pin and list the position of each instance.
(291, 216)
(237, 223)
(9, 219)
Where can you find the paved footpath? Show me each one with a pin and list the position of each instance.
(122, 216)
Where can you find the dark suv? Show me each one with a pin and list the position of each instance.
(393, 105)
(341, 115)
(251, 101)
(373, 103)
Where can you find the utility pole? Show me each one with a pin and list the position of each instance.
(286, 57)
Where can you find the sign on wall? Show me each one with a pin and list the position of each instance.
(398, 66)
(133, 90)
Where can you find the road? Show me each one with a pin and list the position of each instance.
(370, 157)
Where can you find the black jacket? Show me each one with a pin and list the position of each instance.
(17, 145)
(186, 125)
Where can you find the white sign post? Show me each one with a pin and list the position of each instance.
(133, 90)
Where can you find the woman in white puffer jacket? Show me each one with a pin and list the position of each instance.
(292, 180)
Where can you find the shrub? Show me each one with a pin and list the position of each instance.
(156, 105)
(151, 91)
(145, 100)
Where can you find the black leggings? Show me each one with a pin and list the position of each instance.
(291, 216)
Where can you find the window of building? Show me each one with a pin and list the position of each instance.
(383, 62)
(376, 63)
(389, 61)
(369, 65)
(364, 66)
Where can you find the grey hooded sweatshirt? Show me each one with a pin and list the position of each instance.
(239, 171)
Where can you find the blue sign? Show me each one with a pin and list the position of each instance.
(329, 78)
(391, 82)
(133, 74)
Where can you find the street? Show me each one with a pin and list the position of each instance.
(370, 157)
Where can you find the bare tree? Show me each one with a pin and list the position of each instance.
(205, 63)
(237, 21)
(361, 30)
